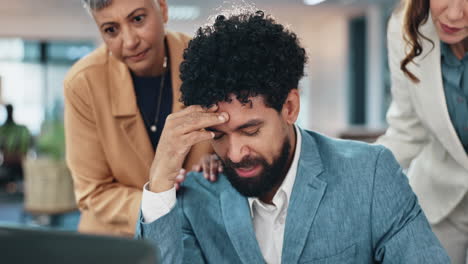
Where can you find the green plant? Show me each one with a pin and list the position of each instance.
(51, 140)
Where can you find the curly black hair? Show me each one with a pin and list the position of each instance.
(244, 55)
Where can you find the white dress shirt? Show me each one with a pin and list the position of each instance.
(268, 219)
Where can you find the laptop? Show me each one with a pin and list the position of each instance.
(26, 245)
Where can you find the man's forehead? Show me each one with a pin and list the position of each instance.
(252, 113)
(252, 103)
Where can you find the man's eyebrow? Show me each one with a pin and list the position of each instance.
(251, 123)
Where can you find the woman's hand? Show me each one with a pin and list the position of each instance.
(210, 165)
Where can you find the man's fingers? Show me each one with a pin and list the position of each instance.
(193, 109)
(187, 110)
(198, 121)
(196, 137)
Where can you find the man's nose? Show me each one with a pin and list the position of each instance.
(237, 150)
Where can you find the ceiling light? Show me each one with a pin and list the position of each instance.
(313, 2)
(183, 12)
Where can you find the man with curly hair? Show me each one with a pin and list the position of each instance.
(287, 195)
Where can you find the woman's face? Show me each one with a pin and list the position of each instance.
(133, 30)
(451, 19)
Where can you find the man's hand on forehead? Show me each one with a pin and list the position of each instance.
(182, 130)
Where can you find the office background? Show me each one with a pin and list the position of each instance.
(345, 92)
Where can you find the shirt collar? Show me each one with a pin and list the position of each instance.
(288, 182)
(448, 57)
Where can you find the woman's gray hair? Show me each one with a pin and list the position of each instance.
(96, 4)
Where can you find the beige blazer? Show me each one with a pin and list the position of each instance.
(420, 131)
(107, 147)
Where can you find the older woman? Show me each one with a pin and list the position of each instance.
(428, 117)
(117, 100)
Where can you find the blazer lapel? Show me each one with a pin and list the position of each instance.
(125, 111)
(430, 92)
(238, 223)
(305, 199)
(124, 106)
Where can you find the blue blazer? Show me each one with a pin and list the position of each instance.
(351, 203)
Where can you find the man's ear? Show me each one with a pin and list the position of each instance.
(291, 107)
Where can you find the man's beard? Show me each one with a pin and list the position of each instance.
(270, 177)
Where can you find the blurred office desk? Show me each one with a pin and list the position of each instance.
(21, 245)
(12, 212)
(361, 133)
